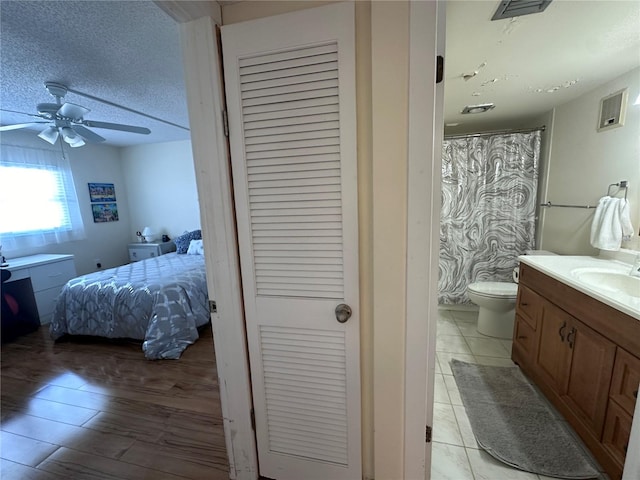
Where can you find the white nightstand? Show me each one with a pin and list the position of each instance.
(141, 251)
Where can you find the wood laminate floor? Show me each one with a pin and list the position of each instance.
(98, 410)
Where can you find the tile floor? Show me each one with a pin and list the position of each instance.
(455, 453)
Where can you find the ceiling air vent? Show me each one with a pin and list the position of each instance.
(516, 8)
(485, 107)
(612, 110)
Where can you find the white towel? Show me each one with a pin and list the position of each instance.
(625, 220)
(611, 223)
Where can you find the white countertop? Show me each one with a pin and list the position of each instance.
(560, 267)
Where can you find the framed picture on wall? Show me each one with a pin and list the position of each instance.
(102, 192)
(104, 212)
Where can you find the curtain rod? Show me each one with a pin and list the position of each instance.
(495, 132)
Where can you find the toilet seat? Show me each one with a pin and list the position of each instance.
(505, 290)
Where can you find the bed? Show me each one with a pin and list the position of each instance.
(161, 301)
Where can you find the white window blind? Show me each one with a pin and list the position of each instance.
(38, 199)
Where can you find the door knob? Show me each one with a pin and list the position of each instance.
(343, 312)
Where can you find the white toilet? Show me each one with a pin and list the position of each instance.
(497, 307)
(497, 304)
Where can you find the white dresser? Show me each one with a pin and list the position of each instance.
(48, 274)
(142, 251)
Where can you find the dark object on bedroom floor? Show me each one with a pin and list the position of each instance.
(19, 311)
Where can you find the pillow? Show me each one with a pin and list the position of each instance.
(182, 242)
(195, 248)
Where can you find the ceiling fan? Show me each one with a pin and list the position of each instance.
(67, 120)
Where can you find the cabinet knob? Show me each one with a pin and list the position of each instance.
(635, 394)
(524, 304)
(571, 338)
(522, 337)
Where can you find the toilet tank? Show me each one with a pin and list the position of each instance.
(516, 271)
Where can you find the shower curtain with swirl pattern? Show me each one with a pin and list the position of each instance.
(489, 186)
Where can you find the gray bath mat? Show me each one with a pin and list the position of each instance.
(512, 423)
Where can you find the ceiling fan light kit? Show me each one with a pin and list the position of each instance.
(49, 134)
(68, 121)
(71, 137)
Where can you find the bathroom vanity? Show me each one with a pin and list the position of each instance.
(577, 336)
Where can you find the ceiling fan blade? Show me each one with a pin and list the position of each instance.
(72, 111)
(49, 134)
(6, 128)
(87, 134)
(22, 113)
(117, 126)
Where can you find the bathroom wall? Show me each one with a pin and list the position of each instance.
(582, 163)
(543, 168)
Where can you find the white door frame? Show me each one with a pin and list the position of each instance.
(426, 41)
(205, 97)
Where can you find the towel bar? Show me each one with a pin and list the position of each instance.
(549, 204)
(621, 184)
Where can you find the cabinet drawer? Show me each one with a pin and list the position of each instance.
(51, 274)
(528, 306)
(524, 336)
(625, 380)
(142, 253)
(18, 273)
(46, 300)
(617, 429)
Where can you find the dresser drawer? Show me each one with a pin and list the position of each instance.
(625, 380)
(51, 274)
(18, 273)
(142, 253)
(46, 300)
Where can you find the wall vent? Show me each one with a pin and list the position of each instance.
(612, 110)
(516, 8)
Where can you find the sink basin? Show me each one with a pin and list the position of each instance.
(604, 280)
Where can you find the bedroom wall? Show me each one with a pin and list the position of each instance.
(104, 241)
(161, 187)
(583, 162)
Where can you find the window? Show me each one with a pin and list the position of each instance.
(38, 201)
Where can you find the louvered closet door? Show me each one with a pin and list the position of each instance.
(290, 84)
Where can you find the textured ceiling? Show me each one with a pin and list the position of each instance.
(529, 64)
(126, 52)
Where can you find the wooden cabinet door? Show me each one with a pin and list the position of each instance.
(553, 357)
(587, 385)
